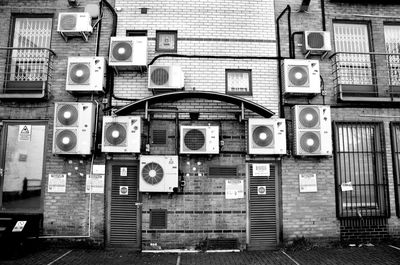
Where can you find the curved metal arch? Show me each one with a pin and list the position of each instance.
(178, 95)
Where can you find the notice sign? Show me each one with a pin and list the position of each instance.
(19, 226)
(347, 186)
(234, 189)
(24, 133)
(308, 182)
(95, 183)
(57, 183)
(123, 190)
(261, 170)
(261, 190)
(123, 172)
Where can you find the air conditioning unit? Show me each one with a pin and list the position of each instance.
(316, 42)
(73, 128)
(165, 77)
(158, 173)
(312, 130)
(267, 136)
(301, 77)
(86, 74)
(199, 139)
(75, 24)
(127, 53)
(121, 134)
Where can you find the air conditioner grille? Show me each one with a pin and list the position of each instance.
(67, 115)
(309, 117)
(315, 40)
(115, 133)
(263, 136)
(122, 50)
(66, 140)
(80, 73)
(152, 173)
(310, 142)
(298, 75)
(159, 76)
(194, 139)
(68, 22)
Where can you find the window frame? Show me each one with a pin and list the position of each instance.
(3, 145)
(379, 176)
(396, 163)
(250, 83)
(174, 33)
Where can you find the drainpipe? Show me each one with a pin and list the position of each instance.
(323, 21)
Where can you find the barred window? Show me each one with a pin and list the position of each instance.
(361, 176)
(395, 131)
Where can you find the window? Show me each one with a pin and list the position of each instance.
(28, 63)
(361, 177)
(392, 45)
(238, 81)
(22, 165)
(166, 41)
(395, 131)
(354, 67)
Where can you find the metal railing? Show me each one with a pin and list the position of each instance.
(366, 75)
(25, 71)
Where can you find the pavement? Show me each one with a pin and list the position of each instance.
(381, 254)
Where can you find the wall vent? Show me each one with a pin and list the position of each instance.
(222, 171)
(158, 218)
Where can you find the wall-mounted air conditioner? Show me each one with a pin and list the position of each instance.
(86, 74)
(267, 136)
(121, 134)
(166, 77)
(75, 24)
(73, 128)
(301, 77)
(158, 173)
(316, 42)
(312, 130)
(128, 53)
(199, 139)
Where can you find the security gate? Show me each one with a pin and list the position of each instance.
(262, 206)
(123, 213)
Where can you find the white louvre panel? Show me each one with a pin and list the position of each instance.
(29, 64)
(158, 173)
(199, 139)
(312, 130)
(73, 128)
(392, 43)
(86, 74)
(121, 134)
(267, 136)
(353, 68)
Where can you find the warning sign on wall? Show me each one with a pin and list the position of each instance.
(19, 226)
(24, 133)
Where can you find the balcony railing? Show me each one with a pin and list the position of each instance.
(367, 76)
(25, 72)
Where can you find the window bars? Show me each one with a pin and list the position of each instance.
(361, 175)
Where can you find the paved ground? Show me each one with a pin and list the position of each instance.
(383, 254)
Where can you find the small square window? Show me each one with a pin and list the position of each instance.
(238, 81)
(166, 41)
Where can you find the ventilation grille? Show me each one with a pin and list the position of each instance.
(121, 50)
(315, 40)
(159, 76)
(68, 22)
(222, 171)
(115, 134)
(67, 115)
(79, 73)
(194, 139)
(159, 137)
(158, 218)
(298, 75)
(309, 118)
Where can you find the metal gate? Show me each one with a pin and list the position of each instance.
(263, 210)
(123, 210)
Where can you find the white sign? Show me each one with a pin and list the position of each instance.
(95, 183)
(24, 133)
(99, 169)
(19, 226)
(308, 182)
(57, 183)
(347, 186)
(123, 190)
(261, 170)
(234, 189)
(123, 172)
(261, 190)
